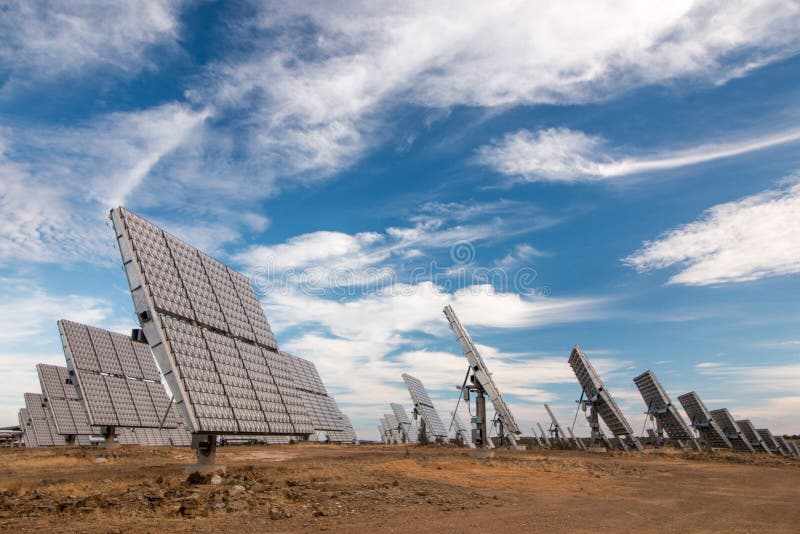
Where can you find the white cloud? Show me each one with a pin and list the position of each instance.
(314, 98)
(564, 155)
(54, 206)
(747, 239)
(55, 38)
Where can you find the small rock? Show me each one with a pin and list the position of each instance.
(100, 460)
(236, 506)
(216, 480)
(236, 490)
(276, 513)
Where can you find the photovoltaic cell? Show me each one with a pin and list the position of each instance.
(702, 420)
(424, 406)
(660, 406)
(735, 435)
(207, 329)
(114, 377)
(595, 391)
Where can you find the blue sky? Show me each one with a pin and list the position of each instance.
(620, 176)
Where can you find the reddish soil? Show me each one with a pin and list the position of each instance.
(396, 489)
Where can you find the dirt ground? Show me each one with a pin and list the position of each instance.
(395, 489)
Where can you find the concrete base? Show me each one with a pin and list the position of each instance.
(204, 469)
(596, 449)
(482, 453)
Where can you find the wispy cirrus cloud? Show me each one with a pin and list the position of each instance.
(46, 40)
(748, 239)
(316, 98)
(568, 156)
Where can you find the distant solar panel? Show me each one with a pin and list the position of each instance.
(424, 407)
(393, 427)
(321, 407)
(660, 407)
(595, 392)
(210, 336)
(770, 441)
(702, 420)
(555, 428)
(735, 435)
(751, 434)
(28, 436)
(115, 394)
(41, 422)
(793, 447)
(577, 443)
(464, 433)
(62, 399)
(404, 421)
(481, 374)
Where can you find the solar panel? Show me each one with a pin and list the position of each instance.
(41, 422)
(770, 440)
(424, 407)
(321, 407)
(62, 399)
(393, 428)
(660, 407)
(382, 433)
(793, 447)
(481, 373)
(555, 428)
(575, 441)
(25, 427)
(209, 334)
(595, 392)
(751, 434)
(735, 435)
(126, 390)
(464, 433)
(403, 420)
(710, 431)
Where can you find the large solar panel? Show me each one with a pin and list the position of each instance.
(463, 432)
(660, 406)
(735, 435)
(210, 336)
(115, 377)
(424, 407)
(596, 393)
(702, 420)
(62, 399)
(41, 422)
(483, 376)
(751, 434)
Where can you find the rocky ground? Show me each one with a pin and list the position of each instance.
(395, 489)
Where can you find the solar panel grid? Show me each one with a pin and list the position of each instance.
(660, 406)
(703, 422)
(735, 435)
(25, 427)
(793, 447)
(424, 406)
(784, 446)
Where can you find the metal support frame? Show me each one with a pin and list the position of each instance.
(206, 447)
(109, 433)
